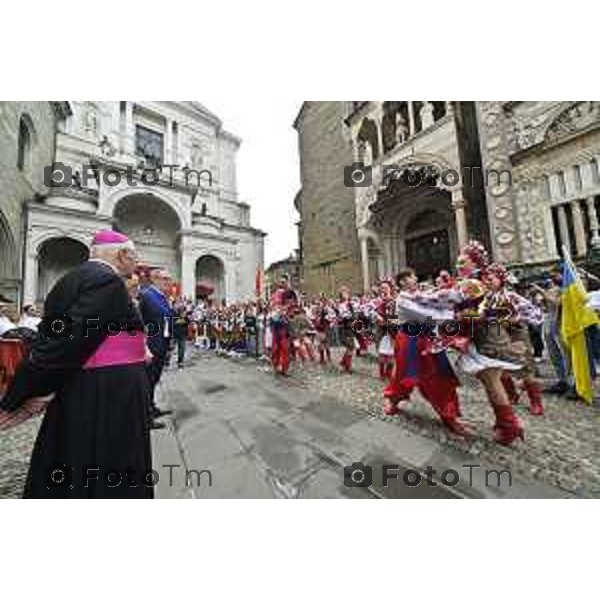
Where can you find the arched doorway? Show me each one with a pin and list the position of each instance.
(8, 263)
(427, 242)
(154, 228)
(56, 257)
(210, 278)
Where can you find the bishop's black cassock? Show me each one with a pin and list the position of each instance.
(94, 432)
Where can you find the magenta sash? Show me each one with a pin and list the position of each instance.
(121, 349)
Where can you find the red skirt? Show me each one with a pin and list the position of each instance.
(432, 374)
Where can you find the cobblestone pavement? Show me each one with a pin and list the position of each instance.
(561, 448)
(15, 448)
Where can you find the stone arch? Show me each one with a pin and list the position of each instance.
(56, 256)
(110, 202)
(154, 226)
(26, 141)
(9, 262)
(210, 273)
(425, 159)
(429, 239)
(412, 224)
(368, 134)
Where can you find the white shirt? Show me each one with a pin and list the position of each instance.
(30, 322)
(5, 324)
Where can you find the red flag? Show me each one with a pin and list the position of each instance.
(258, 282)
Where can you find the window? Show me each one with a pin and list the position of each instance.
(562, 186)
(595, 174)
(545, 187)
(577, 177)
(149, 145)
(24, 143)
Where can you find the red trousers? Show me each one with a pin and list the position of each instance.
(430, 373)
(280, 349)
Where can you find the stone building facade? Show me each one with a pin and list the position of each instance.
(290, 267)
(520, 176)
(328, 241)
(552, 150)
(112, 169)
(27, 136)
(390, 223)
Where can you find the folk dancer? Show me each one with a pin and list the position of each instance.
(417, 365)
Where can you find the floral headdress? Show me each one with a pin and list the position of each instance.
(497, 270)
(476, 253)
(444, 280)
(387, 280)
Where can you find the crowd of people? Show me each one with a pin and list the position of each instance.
(480, 322)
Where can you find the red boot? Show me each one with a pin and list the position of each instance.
(534, 391)
(511, 389)
(346, 363)
(508, 426)
(349, 364)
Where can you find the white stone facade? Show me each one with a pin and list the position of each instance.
(118, 155)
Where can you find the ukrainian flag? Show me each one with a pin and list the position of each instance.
(576, 317)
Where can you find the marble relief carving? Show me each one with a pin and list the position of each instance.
(500, 195)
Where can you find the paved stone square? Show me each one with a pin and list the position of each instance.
(262, 436)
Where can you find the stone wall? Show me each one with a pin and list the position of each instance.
(329, 241)
(20, 185)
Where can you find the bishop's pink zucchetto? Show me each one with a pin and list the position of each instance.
(108, 236)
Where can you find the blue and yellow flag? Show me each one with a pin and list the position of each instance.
(576, 317)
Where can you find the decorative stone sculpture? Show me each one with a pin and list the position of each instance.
(106, 147)
(197, 156)
(401, 128)
(427, 115)
(90, 118)
(578, 116)
(365, 152)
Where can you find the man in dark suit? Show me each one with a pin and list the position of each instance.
(157, 314)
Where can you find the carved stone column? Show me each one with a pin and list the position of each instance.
(499, 194)
(458, 206)
(591, 204)
(580, 241)
(364, 259)
(188, 270)
(563, 227)
(411, 119)
(378, 118)
(30, 283)
(129, 129)
(168, 158)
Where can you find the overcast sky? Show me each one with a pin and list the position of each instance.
(267, 167)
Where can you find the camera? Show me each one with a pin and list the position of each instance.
(58, 475)
(58, 175)
(358, 475)
(55, 326)
(357, 175)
